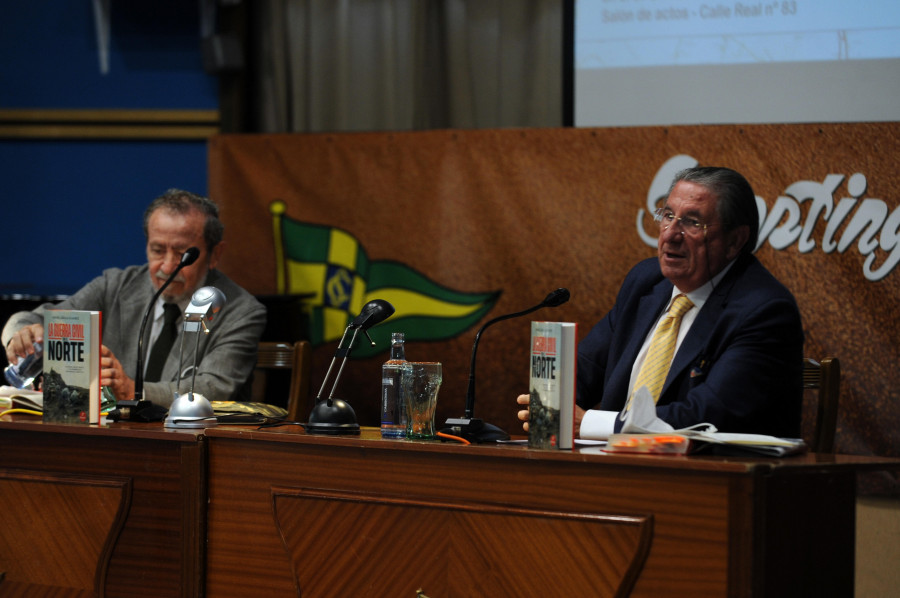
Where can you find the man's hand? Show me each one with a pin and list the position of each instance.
(579, 415)
(113, 376)
(524, 414)
(22, 342)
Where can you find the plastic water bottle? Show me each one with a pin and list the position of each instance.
(393, 411)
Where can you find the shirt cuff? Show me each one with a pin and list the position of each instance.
(598, 425)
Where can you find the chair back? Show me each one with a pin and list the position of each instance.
(296, 357)
(824, 376)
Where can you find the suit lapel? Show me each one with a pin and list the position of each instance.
(134, 301)
(649, 308)
(645, 315)
(705, 322)
(696, 337)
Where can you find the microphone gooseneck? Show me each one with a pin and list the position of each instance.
(554, 299)
(187, 258)
(469, 427)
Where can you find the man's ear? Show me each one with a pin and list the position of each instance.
(216, 254)
(735, 241)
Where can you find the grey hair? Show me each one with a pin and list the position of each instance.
(735, 199)
(182, 202)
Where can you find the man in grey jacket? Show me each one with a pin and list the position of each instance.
(173, 222)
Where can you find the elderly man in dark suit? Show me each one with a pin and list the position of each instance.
(737, 356)
(173, 223)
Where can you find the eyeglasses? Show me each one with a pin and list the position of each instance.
(689, 226)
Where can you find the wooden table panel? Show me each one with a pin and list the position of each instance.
(159, 549)
(46, 512)
(400, 545)
(708, 520)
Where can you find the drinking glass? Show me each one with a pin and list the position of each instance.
(420, 382)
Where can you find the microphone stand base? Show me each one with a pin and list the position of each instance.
(332, 429)
(334, 417)
(136, 410)
(191, 411)
(474, 430)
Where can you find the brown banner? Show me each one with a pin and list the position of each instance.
(526, 211)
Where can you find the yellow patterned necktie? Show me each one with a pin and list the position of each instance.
(662, 348)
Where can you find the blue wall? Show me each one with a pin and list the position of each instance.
(74, 207)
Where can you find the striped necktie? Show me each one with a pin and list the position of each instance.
(662, 348)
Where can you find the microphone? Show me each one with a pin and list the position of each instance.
(334, 416)
(129, 409)
(206, 303)
(476, 430)
(373, 312)
(188, 410)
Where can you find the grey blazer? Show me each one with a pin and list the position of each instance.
(226, 356)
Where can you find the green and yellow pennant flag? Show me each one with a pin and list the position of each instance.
(330, 266)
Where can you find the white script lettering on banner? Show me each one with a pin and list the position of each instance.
(869, 221)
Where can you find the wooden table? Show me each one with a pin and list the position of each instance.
(293, 514)
(101, 511)
(124, 510)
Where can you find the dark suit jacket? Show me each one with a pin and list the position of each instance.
(739, 367)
